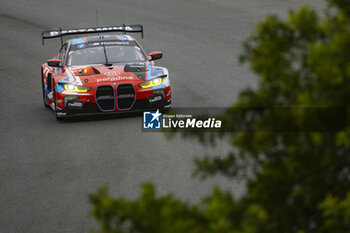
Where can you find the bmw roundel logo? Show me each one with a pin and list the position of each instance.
(112, 73)
(114, 84)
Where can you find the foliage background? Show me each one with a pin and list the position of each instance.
(296, 181)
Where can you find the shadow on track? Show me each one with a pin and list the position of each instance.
(100, 117)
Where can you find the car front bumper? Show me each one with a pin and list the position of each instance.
(75, 104)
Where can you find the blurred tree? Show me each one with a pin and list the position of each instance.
(297, 180)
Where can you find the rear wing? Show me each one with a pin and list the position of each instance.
(65, 32)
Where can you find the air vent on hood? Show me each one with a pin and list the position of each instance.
(89, 70)
(138, 69)
(135, 67)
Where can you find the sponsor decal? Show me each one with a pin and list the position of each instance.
(107, 43)
(81, 46)
(82, 30)
(75, 104)
(115, 43)
(111, 79)
(157, 98)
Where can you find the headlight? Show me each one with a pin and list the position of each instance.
(76, 88)
(152, 83)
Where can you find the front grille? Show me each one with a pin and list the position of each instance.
(105, 97)
(125, 96)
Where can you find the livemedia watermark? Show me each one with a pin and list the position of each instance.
(283, 119)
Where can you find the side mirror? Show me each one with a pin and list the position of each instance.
(54, 62)
(155, 55)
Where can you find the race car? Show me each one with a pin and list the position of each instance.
(101, 74)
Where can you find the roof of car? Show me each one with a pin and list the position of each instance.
(96, 38)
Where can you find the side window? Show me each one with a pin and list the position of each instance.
(62, 52)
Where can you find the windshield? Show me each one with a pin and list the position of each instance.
(93, 53)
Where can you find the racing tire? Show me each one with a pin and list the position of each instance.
(43, 89)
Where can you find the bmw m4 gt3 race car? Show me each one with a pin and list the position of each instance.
(100, 74)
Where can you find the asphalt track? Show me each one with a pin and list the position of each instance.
(47, 167)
